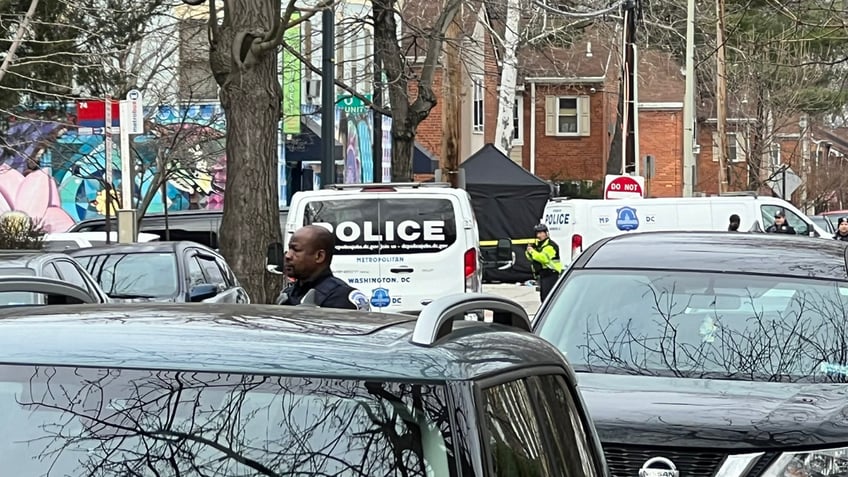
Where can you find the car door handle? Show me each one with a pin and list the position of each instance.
(401, 270)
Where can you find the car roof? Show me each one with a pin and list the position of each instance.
(772, 254)
(139, 247)
(26, 258)
(262, 339)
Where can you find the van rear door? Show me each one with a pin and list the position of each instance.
(560, 218)
(401, 250)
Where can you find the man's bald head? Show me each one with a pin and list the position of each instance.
(319, 239)
(310, 252)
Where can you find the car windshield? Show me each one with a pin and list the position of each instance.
(702, 325)
(143, 275)
(86, 421)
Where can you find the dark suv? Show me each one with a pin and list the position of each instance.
(710, 354)
(179, 389)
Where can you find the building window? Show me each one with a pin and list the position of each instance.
(518, 121)
(736, 147)
(477, 100)
(775, 154)
(567, 116)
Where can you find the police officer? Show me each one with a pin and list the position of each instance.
(841, 229)
(780, 225)
(308, 262)
(544, 257)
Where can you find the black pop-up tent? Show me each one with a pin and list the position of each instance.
(508, 201)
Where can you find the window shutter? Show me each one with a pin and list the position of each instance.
(715, 146)
(583, 119)
(550, 115)
(741, 147)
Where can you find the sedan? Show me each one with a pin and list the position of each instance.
(162, 271)
(37, 263)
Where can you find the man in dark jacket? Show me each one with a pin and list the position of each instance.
(842, 229)
(308, 262)
(780, 225)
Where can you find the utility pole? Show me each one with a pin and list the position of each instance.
(630, 144)
(721, 98)
(328, 97)
(451, 107)
(377, 118)
(804, 123)
(689, 105)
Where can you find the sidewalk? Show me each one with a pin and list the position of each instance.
(527, 297)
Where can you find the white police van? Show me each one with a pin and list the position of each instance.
(575, 224)
(402, 244)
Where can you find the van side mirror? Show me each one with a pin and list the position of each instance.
(275, 258)
(504, 250)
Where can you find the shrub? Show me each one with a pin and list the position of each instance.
(20, 232)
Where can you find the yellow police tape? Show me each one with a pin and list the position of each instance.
(493, 243)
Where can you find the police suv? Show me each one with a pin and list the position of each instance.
(402, 244)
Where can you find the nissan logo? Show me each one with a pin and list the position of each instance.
(659, 467)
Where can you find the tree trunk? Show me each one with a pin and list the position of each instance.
(504, 132)
(407, 116)
(250, 97)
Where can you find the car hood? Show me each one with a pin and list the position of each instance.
(716, 414)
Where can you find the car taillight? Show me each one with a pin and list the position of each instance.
(576, 245)
(470, 262)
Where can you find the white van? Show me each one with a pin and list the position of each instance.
(575, 224)
(403, 245)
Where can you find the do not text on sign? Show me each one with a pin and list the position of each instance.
(624, 187)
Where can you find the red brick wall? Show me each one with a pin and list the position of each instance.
(661, 135)
(567, 158)
(430, 130)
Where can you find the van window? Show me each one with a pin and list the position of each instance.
(800, 225)
(374, 226)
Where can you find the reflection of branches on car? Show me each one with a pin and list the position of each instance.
(173, 423)
(784, 345)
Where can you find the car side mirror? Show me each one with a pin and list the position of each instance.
(275, 258)
(202, 292)
(504, 250)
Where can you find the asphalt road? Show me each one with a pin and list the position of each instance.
(525, 296)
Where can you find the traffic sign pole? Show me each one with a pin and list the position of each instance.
(132, 122)
(107, 168)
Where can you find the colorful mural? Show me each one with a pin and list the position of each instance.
(58, 176)
(354, 131)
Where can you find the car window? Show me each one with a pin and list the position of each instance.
(51, 272)
(211, 270)
(794, 220)
(561, 416)
(71, 274)
(700, 325)
(136, 275)
(515, 434)
(195, 273)
(373, 226)
(68, 419)
(229, 277)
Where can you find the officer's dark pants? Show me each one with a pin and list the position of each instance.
(546, 284)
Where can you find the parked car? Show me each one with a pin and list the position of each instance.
(34, 291)
(162, 271)
(199, 226)
(709, 354)
(37, 263)
(59, 242)
(169, 389)
(823, 222)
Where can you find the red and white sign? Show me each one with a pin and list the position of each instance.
(624, 187)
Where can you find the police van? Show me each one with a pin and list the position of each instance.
(575, 224)
(402, 244)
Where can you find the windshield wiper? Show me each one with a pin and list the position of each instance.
(129, 295)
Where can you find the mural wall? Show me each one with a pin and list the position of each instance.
(52, 173)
